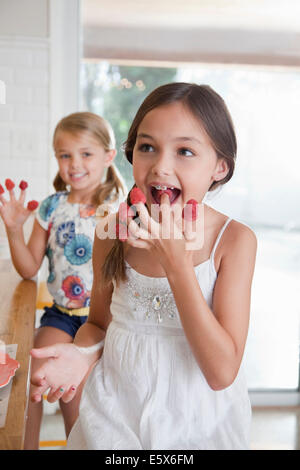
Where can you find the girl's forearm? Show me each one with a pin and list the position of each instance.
(21, 256)
(90, 339)
(212, 346)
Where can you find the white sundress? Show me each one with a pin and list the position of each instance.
(147, 391)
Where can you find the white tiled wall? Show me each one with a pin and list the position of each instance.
(25, 141)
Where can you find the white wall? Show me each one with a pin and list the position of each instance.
(39, 60)
(24, 18)
(24, 119)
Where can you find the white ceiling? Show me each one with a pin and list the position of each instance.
(275, 15)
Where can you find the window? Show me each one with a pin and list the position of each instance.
(263, 193)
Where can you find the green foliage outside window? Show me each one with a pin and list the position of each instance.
(116, 92)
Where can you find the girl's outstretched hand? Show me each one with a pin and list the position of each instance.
(63, 370)
(12, 211)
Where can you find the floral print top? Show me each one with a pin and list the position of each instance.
(71, 228)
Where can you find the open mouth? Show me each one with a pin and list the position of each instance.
(158, 190)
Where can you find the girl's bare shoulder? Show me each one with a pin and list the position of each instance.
(235, 231)
(240, 233)
(238, 240)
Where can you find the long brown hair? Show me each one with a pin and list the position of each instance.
(210, 109)
(102, 131)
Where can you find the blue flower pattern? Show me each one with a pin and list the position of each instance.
(69, 249)
(79, 250)
(48, 205)
(49, 254)
(65, 233)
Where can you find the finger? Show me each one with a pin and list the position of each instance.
(189, 230)
(190, 211)
(125, 216)
(44, 353)
(125, 213)
(69, 394)
(2, 191)
(3, 200)
(134, 231)
(167, 224)
(32, 205)
(165, 199)
(190, 214)
(38, 392)
(165, 206)
(137, 196)
(56, 394)
(9, 184)
(36, 397)
(22, 197)
(147, 221)
(137, 243)
(194, 229)
(121, 232)
(12, 196)
(23, 185)
(39, 377)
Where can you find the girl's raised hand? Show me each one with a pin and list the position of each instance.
(12, 211)
(174, 237)
(63, 370)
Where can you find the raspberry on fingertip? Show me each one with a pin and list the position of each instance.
(9, 184)
(125, 211)
(136, 196)
(190, 210)
(23, 185)
(121, 232)
(32, 205)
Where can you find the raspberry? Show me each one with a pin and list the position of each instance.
(190, 210)
(121, 232)
(32, 205)
(136, 196)
(9, 184)
(1, 189)
(23, 185)
(125, 211)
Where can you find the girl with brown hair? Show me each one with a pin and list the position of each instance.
(171, 296)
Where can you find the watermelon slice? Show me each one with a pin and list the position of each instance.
(8, 367)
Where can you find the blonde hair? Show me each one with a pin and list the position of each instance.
(102, 131)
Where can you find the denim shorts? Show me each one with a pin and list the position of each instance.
(57, 319)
